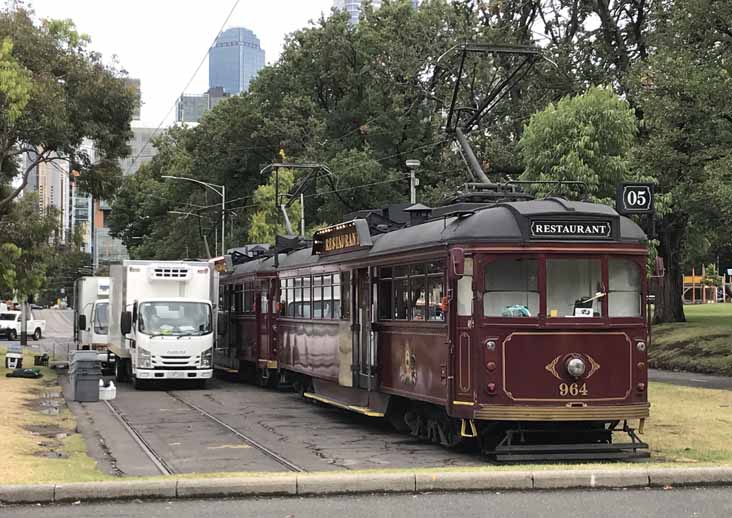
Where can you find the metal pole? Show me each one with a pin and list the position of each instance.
(277, 208)
(412, 188)
(223, 218)
(23, 322)
(302, 215)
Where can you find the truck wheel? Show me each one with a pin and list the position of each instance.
(120, 370)
(138, 383)
(37, 334)
(13, 335)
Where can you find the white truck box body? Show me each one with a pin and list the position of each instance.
(88, 291)
(172, 353)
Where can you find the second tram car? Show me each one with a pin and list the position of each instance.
(521, 325)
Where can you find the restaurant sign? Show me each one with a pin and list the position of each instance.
(344, 237)
(556, 229)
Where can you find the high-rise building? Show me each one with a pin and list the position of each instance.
(50, 182)
(141, 150)
(353, 7)
(190, 107)
(234, 60)
(134, 85)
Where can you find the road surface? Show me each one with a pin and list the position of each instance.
(675, 503)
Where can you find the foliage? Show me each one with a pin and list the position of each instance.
(584, 138)
(27, 236)
(268, 220)
(54, 93)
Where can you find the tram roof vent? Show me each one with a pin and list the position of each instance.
(418, 214)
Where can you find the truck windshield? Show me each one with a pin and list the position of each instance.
(174, 318)
(101, 319)
(8, 316)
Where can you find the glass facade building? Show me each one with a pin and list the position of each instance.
(234, 60)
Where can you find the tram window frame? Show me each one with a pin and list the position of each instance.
(238, 298)
(595, 271)
(397, 304)
(521, 286)
(344, 291)
(612, 292)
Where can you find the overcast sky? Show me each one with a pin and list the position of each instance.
(161, 42)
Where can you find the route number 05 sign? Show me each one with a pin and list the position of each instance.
(634, 198)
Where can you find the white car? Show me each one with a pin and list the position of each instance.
(10, 325)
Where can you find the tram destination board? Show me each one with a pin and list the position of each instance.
(634, 198)
(571, 229)
(344, 237)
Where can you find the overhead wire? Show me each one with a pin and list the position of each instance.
(195, 73)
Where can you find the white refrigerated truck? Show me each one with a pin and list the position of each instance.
(91, 317)
(161, 322)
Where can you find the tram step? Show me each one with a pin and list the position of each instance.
(589, 451)
(353, 408)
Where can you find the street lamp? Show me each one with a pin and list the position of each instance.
(218, 189)
(413, 165)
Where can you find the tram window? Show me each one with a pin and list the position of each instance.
(307, 298)
(511, 288)
(465, 290)
(385, 298)
(344, 294)
(328, 297)
(290, 298)
(435, 292)
(418, 294)
(574, 288)
(624, 297)
(401, 299)
(238, 298)
(317, 302)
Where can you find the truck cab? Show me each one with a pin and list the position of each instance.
(162, 324)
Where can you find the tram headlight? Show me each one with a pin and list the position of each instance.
(576, 367)
(641, 346)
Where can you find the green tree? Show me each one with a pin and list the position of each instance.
(28, 237)
(684, 91)
(587, 138)
(54, 93)
(268, 220)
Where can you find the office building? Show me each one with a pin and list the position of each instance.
(234, 60)
(141, 150)
(353, 7)
(191, 107)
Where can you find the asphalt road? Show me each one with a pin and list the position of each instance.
(57, 341)
(676, 503)
(691, 379)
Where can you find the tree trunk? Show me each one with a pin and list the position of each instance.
(669, 295)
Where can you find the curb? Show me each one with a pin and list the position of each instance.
(347, 483)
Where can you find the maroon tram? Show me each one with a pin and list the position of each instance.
(517, 324)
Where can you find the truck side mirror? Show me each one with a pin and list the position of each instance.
(457, 260)
(125, 322)
(223, 323)
(659, 267)
(82, 322)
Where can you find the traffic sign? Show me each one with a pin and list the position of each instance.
(634, 198)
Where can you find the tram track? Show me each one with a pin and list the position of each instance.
(159, 460)
(247, 439)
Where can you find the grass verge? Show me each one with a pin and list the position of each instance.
(702, 344)
(38, 438)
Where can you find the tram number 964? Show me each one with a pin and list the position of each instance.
(573, 389)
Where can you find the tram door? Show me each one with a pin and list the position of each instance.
(364, 353)
(263, 321)
(465, 320)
